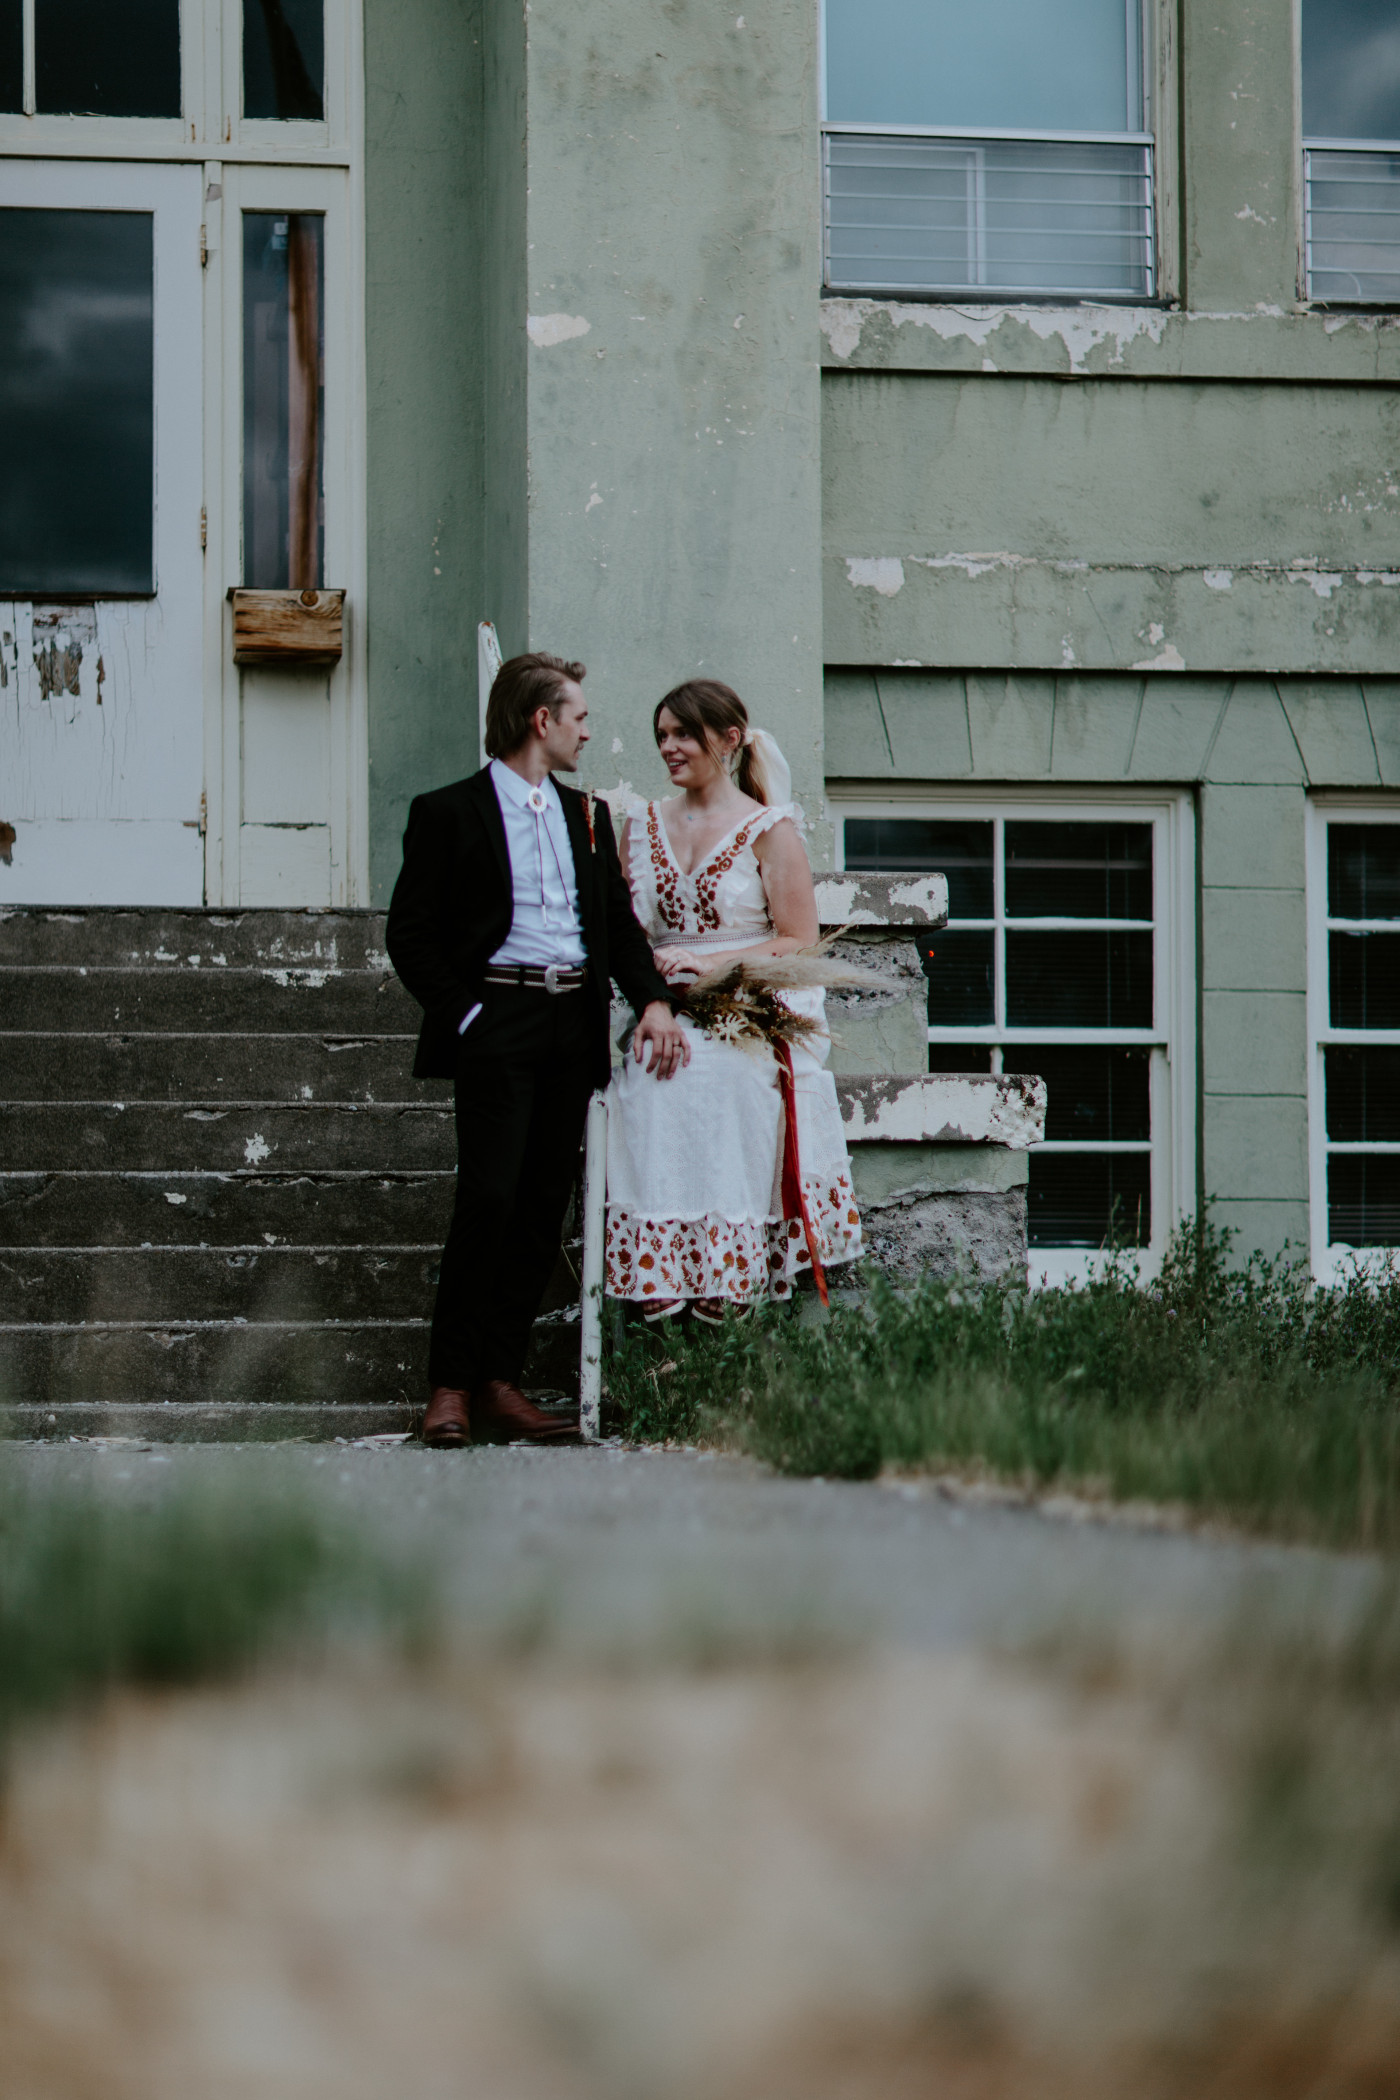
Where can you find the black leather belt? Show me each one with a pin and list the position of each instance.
(554, 977)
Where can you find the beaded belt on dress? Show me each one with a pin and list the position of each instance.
(554, 977)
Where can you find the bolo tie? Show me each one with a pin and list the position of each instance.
(535, 802)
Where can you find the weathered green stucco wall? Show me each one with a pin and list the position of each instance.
(673, 391)
(424, 365)
(1096, 528)
(1072, 546)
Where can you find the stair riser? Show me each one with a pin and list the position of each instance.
(245, 1002)
(194, 1283)
(167, 939)
(49, 1137)
(307, 1367)
(209, 1068)
(120, 1210)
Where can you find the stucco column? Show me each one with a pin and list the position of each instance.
(1242, 152)
(673, 258)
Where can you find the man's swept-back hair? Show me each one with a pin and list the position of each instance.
(522, 687)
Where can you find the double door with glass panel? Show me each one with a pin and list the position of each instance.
(176, 365)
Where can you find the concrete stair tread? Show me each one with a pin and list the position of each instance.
(222, 1137)
(205, 1069)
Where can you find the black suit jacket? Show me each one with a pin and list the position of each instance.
(453, 904)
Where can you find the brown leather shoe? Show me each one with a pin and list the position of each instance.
(501, 1414)
(446, 1424)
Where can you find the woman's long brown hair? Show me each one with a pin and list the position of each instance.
(705, 709)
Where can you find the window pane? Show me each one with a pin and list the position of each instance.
(1353, 234)
(1085, 1199)
(11, 55)
(284, 58)
(925, 846)
(1365, 979)
(77, 429)
(283, 274)
(1363, 1199)
(95, 59)
(1363, 871)
(1363, 1096)
(1093, 1094)
(1008, 65)
(1351, 69)
(960, 1057)
(1079, 980)
(1079, 871)
(960, 980)
(1001, 216)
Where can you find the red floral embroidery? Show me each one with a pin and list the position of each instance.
(718, 1258)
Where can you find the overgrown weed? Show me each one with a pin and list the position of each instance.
(196, 1583)
(1238, 1391)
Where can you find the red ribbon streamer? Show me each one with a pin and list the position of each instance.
(794, 1201)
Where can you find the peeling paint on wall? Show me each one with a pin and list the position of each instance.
(1081, 330)
(883, 573)
(545, 330)
(7, 844)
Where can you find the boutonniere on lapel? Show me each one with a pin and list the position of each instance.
(588, 801)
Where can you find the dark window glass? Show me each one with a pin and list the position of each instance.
(1078, 980)
(11, 55)
(1093, 1094)
(1364, 969)
(960, 980)
(960, 1057)
(1351, 69)
(95, 58)
(284, 58)
(1363, 1096)
(1363, 871)
(1086, 1199)
(928, 846)
(1363, 1199)
(1078, 871)
(77, 407)
(283, 422)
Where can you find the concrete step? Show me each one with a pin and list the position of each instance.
(68, 1286)
(223, 1210)
(205, 1067)
(205, 1421)
(240, 1002)
(62, 1137)
(166, 939)
(293, 1363)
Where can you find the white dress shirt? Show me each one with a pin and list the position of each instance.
(545, 928)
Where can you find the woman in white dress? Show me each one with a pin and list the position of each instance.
(717, 1195)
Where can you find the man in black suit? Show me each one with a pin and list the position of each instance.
(508, 920)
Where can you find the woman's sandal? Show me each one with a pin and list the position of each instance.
(711, 1312)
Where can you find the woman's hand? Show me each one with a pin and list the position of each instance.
(676, 965)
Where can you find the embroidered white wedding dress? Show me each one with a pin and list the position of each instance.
(695, 1204)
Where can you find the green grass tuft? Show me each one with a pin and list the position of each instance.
(1241, 1392)
(96, 1591)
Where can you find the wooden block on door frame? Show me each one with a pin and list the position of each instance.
(287, 627)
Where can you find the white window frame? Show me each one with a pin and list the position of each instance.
(1171, 1038)
(1331, 1262)
(1152, 65)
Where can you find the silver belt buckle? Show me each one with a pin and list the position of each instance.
(552, 974)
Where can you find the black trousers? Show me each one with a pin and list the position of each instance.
(522, 1092)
